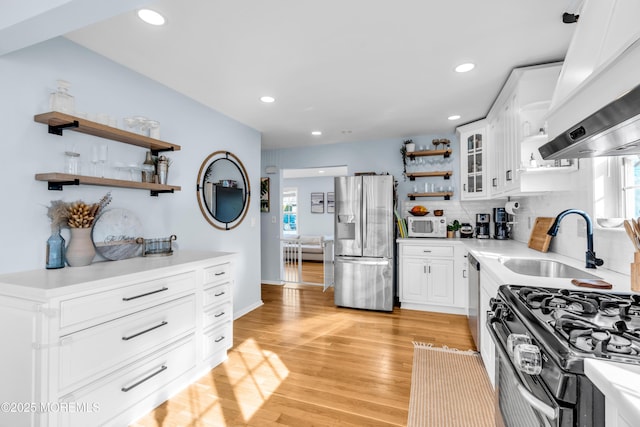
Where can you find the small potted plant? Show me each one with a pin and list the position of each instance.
(409, 146)
(452, 228)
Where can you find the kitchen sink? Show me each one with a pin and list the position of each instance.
(545, 268)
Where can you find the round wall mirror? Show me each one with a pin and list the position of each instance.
(223, 190)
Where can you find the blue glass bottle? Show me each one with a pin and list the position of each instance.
(55, 249)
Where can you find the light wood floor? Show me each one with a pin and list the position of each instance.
(312, 271)
(300, 361)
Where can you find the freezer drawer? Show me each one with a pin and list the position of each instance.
(365, 283)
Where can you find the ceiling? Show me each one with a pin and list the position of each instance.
(356, 70)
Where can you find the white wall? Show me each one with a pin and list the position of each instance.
(100, 85)
(317, 224)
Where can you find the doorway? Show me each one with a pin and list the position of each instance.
(306, 224)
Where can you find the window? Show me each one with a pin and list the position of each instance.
(290, 211)
(631, 186)
(617, 187)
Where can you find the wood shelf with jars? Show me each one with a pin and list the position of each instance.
(446, 194)
(413, 175)
(445, 153)
(56, 181)
(58, 122)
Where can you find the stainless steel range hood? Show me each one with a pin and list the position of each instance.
(613, 130)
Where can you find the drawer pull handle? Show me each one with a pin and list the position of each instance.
(219, 294)
(219, 314)
(219, 338)
(426, 251)
(164, 288)
(220, 273)
(148, 377)
(145, 331)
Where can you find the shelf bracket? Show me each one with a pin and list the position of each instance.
(447, 176)
(412, 178)
(447, 154)
(447, 197)
(157, 151)
(412, 197)
(57, 129)
(59, 185)
(154, 193)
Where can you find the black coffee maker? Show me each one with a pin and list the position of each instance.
(483, 221)
(500, 224)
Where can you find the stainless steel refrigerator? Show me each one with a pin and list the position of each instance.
(364, 242)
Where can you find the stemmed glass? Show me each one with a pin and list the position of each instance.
(103, 156)
(436, 142)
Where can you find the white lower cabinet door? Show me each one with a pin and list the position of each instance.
(414, 280)
(106, 401)
(440, 282)
(487, 346)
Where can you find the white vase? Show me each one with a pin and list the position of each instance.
(411, 147)
(80, 251)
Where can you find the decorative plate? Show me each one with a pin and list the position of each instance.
(115, 233)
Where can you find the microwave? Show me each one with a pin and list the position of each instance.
(427, 226)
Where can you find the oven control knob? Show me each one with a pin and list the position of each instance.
(495, 303)
(527, 358)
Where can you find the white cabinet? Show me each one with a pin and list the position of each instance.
(519, 113)
(473, 160)
(432, 276)
(113, 339)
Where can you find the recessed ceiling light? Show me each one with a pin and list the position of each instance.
(151, 17)
(316, 133)
(454, 117)
(321, 171)
(267, 99)
(467, 66)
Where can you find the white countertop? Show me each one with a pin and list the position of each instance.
(42, 284)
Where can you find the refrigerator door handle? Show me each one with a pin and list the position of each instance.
(363, 261)
(364, 216)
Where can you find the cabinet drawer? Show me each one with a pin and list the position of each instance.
(217, 315)
(104, 306)
(217, 340)
(217, 294)
(217, 273)
(92, 352)
(428, 251)
(116, 393)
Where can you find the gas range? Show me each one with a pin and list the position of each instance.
(542, 337)
(580, 324)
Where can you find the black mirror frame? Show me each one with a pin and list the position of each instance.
(200, 195)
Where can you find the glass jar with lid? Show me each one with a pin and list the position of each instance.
(61, 100)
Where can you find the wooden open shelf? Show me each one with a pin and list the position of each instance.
(446, 153)
(57, 181)
(58, 122)
(413, 175)
(446, 194)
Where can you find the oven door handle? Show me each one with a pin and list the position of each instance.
(548, 411)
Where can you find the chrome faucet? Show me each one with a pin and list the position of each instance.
(592, 261)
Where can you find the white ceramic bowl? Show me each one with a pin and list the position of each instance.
(610, 222)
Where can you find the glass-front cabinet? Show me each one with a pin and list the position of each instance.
(473, 160)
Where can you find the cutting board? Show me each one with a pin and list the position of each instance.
(539, 239)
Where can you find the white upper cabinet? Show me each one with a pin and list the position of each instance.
(601, 63)
(473, 160)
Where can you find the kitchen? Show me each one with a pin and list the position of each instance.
(38, 67)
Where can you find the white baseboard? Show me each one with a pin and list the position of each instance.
(271, 282)
(247, 310)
